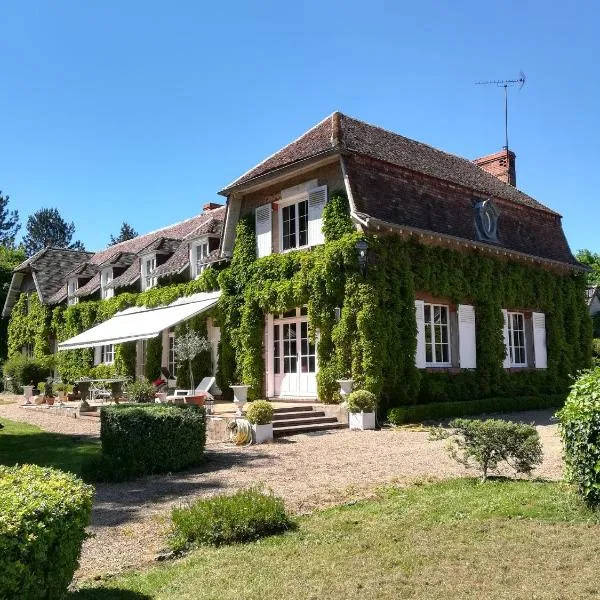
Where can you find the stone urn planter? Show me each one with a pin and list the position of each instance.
(240, 397)
(27, 391)
(345, 387)
(361, 420)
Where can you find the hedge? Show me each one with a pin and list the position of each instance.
(154, 438)
(445, 410)
(43, 516)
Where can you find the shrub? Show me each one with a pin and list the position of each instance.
(487, 443)
(48, 391)
(24, 371)
(43, 516)
(34, 371)
(149, 438)
(361, 401)
(244, 516)
(580, 432)
(260, 412)
(140, 390)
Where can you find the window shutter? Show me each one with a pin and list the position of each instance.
(506, 363)
(317, 198)
(420, 314)
(539, 340)
(466, 337)
(263, 230)
(97, 355)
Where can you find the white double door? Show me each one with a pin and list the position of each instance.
(294, 357)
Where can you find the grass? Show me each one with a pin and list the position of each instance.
(23, 443)
(454, 539)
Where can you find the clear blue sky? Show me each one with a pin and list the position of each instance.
(142, 111)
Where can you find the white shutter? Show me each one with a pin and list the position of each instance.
(420, 314)
(269, 356)
(466, 337)
(506, 363)
(263, 230)
(97, 355)
(317, 199)
(539, 340)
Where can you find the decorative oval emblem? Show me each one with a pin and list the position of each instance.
(486, 220)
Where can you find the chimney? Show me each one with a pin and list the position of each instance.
(336, 129)
(500, 165)
(211, 206)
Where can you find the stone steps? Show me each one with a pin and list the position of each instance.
(294, 420)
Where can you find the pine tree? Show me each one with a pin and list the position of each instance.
(9, 223)
(127, 232)
(46, 227)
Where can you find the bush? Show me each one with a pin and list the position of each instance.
(244, 516)
(487, 443)
(24, 371)
(34, 371)
(445, 410)
(140, 390)
(260, 412)
(148, 438)
(580, 432)
(48, 391)
(43, 516)
(361, 401)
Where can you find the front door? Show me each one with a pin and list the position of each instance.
(294, 357)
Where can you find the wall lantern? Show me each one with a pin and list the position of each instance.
(363, 249)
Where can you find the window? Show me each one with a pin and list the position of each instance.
(294, 225)
(105, 278)
(437, 335)
(516, 339)
(72, 287)
(172, 355)
(200, 252)
(27, 350)
(107, 354)
(148, 265)
(276, 349)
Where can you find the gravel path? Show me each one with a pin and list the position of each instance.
(310, 471)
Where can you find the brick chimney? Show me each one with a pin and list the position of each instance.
(500, 165)
(211, 206)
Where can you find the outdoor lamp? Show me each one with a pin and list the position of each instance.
(362, 248)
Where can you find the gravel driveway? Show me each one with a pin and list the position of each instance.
(310, 471)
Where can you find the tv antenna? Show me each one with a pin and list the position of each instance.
(506, 83)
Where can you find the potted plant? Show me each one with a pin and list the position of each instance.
(187, 346)
(240, 397)
(140, 390)
(361, 408)
(260, 415)
(48, 393)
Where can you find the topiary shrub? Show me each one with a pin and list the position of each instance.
(43, 516)
(244, 516)
(140, 390)
(580, 432)
(260, 412)
(148, 438)
(361, 401)
(484, 444)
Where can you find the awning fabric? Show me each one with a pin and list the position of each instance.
(141, 323)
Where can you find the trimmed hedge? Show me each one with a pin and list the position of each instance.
(43, 516)
(446, 410)
(153, 438)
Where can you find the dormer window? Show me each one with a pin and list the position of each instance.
(199, 254)
(105, 278)
(148, 266)
(72, 287)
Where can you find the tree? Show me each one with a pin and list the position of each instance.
(46, 228)
(591, 259)
(9, 259)
(9, 223)
(127, 232)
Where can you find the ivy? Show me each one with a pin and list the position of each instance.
(154, 351)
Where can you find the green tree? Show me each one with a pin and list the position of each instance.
(46, 227)
(127, 232)
(9, 259)
(591, 259)
(9, 223)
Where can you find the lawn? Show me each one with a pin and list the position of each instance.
(23, 443)
(453, 539)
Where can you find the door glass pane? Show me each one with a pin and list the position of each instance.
(288, 216)
(303, 223)
(276, 350)
(307, 350)
(290, 352)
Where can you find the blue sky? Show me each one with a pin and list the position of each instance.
(142, 111)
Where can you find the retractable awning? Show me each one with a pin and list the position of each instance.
(141, 323)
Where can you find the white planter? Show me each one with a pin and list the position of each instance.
(28, 391)
(240, 396)
(262, 433)
(345, 386)
(361, 420)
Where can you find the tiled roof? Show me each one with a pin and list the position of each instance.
(349, 135)
(129, 276)
(90, 287)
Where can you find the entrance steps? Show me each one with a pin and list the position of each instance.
(302, 419)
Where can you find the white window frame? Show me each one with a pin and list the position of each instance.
(107, 354)
(148, 264)
(172, 366)
(511, 345)
(106, 276)
(295, 200)
(72, 287)
(27, 350)
(195, 262)
(437, 363)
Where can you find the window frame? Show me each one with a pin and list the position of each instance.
(431, 341)
(106, 277)
(147, 281)
(511, 346)
(295, 200)
(172, 357)
(196, 266)
(71, 291)
(107, 354)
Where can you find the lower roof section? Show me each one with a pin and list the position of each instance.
(141, 323)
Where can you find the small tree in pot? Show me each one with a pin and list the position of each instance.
(361, 408)
(260, 414)
(187, 346)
